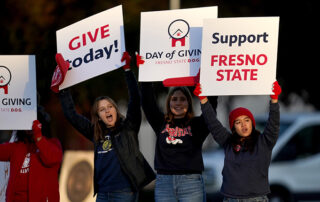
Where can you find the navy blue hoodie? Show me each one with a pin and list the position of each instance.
(245, 174)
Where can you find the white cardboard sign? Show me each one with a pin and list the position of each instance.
(93, 46)
(18, 92)
(239, 56)
(170, 42)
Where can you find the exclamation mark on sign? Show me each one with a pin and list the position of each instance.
(116, 46)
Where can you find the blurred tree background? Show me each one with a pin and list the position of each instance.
(29, 27)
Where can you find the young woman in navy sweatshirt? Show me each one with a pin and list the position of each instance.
(120, 169)
(247, 151)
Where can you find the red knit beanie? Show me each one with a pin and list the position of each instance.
(239, 112)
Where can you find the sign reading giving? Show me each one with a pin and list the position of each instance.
(18, 92)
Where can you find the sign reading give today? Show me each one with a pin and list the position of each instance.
(239, 56)
(93, 46)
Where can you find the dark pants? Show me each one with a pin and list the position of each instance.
(118, 196)
(254, 199)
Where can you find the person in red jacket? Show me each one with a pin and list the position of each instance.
(34, 165)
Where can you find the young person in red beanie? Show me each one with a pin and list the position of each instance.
(35, 161)
(247, 151)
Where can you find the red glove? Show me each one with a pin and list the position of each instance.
(197, 78)
(139, 59)
(126, 57)
(197, 91)
(276, 89)
(182, 81)
(59, 73)
(36, 128)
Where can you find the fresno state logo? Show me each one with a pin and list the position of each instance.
(5, 78)
(178, 31)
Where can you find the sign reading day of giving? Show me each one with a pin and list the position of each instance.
(18, 92)
(93, 46)
(239, 56)
(170, 42)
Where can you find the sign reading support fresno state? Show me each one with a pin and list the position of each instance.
(93, 46)
(18, 104)
(239, 56)
(170, 42)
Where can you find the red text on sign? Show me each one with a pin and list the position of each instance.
(81, 40)
(238, 60)
(237, 74)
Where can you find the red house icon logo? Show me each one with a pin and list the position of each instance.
(5, 78)
(178, 31)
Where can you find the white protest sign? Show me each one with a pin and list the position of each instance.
(239, 56)
(93, 46)
(18, 92)
(170, 42)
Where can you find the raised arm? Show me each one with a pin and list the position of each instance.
(79, 122)
(218, 131)
(272, 128)
(153, 114)
(133, 117)
(50, 151)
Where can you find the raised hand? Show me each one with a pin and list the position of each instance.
(127, 58)
(276, 89)
(59, 73)
(139, 60)
(197, 91)
(36, 128)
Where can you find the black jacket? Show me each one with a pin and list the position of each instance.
(125, 138)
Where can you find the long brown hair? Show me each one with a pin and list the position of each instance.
(99, 127)
(169, 116)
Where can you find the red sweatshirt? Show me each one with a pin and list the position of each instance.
(45, 161)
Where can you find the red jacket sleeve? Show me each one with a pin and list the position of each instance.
(50, 151)
(6, 150)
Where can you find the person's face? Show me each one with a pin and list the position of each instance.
(107, 113)
(243, 125)
(178, 104)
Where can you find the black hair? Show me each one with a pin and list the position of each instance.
(247, 143)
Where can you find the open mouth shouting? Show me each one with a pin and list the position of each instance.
(107, 113)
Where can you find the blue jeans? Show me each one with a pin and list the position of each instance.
(254, 199)
(118, 196)
(182, 188)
